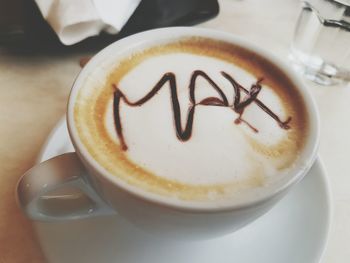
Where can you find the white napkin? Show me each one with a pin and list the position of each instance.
(75, 20)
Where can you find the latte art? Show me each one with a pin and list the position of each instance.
(192, 119)
(184, 134)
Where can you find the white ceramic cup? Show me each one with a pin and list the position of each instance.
(45, 191)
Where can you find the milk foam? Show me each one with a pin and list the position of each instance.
(221, 157)
(219, 150)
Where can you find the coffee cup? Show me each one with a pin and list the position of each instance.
(187, 133)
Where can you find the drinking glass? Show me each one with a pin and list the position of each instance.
(320, 48)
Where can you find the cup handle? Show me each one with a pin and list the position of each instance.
(58, 189)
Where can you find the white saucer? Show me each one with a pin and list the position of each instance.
(294, 231)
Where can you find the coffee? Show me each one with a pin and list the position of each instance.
(192, 118)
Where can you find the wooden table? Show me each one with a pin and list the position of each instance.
(34, 90)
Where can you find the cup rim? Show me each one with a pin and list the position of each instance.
(311, 146)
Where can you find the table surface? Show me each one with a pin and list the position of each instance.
(34, 90)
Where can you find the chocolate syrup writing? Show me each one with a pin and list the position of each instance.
(239, 103)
